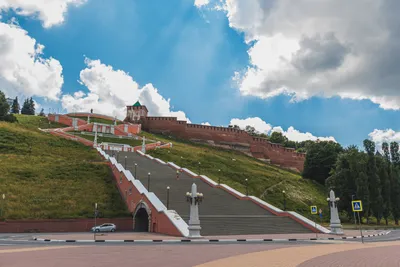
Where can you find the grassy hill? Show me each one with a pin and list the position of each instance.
(44, 176)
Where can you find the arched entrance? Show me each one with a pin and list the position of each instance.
(142, 217)
(141, 221)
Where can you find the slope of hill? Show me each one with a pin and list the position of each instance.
(44, 176)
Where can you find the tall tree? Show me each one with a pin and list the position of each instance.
(4, 106)
(394, 181)
(383, 171)
(363, 193)
(25, 107)
(373, 181)
(15, 106)
(320, 160)
(31, 107)
(42, 113)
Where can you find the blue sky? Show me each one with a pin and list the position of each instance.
(190, 54)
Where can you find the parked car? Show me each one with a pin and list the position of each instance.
(105, 227)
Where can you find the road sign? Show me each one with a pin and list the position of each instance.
(357, 205)
(314, 210)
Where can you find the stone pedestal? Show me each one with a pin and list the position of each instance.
(194, 221)
(336, 226)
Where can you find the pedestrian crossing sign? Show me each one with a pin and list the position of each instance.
(314, 210)
(357, 205)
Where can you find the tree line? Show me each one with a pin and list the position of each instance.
(7, 111)
(367, 175)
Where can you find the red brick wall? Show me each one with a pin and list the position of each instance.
(67, 225)
(259, 147)
(159, 221)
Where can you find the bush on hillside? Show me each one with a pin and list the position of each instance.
(9, 118)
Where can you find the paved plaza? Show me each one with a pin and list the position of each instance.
(19, 250)
(349, 254)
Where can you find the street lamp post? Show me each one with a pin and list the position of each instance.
(194, 198)
(135, 170)
(168, 197)
(125, 162)
(199, 167)
(247, 187)
(354, 213)
(117, 156)
(219, 176)
(95, 220)
(148, 182)
(284, 200)
(2, 206)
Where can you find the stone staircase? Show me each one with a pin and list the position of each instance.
(220, 213)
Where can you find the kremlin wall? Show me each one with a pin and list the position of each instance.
(224, 137)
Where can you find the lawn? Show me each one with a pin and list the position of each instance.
(232, 168)
(44, 176)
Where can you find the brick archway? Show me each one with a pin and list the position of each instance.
(142, 218)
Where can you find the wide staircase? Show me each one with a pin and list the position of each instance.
(220, 212)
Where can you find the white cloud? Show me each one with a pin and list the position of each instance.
(50, 12)
(110, 91)
(206, 123)
(200, 3)
(327, 48)
(266, 128)
(380, 136)
(296, 135)
(260, 125)
(23, 69)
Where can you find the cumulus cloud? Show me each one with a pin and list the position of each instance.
(206, 123)
(200, 3)
(266, 128)
(296, 135)
(258, 124)
(23, 69)
(328, 48)
(380, 136)
(110, 91)
(50, 12)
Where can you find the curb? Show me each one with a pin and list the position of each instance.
(205, 240)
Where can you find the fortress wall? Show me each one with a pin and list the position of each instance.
(166, 125)
(259, 147)
(217, 134)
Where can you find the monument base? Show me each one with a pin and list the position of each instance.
(336, 229)
(194, 231)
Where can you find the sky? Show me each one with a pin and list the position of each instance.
(309, 69)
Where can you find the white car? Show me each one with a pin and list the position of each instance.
(105, 227)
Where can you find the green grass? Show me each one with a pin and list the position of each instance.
(98, 120)
(265, 181)
(45, 176)
(35, 122)
(100, 139)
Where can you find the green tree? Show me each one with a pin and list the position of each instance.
(25, 107)
(395, 182)
(383, 170)
(4, 106)
(320, 160)
(251, 130)
(31, 107)
(363, 193)
(277, 138)
(42, 113)
(15, 106)
(373, 181)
